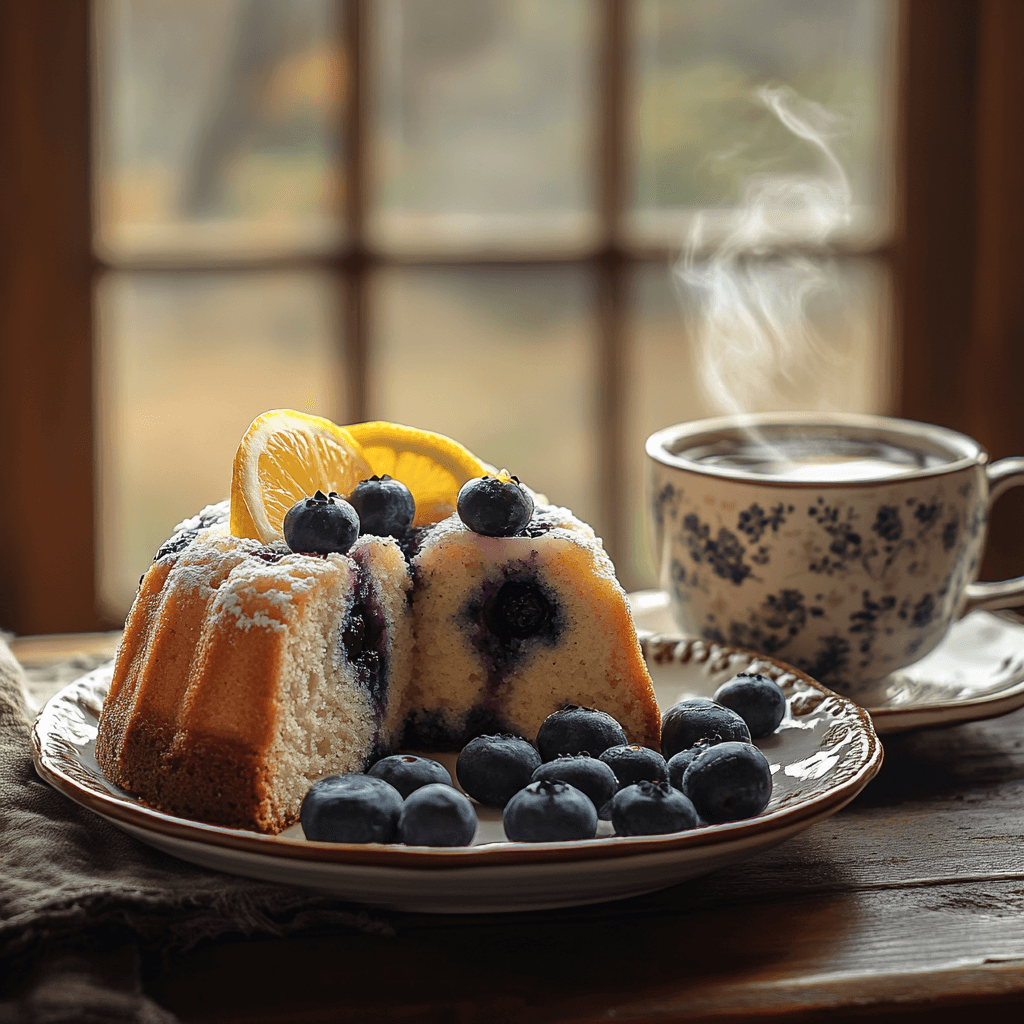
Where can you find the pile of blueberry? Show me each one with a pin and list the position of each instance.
(581, 769)
(401, 799)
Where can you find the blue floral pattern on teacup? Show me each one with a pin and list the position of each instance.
(845, 583)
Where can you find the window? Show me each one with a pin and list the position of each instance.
(460, 216)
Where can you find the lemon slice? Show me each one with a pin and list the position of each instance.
(283, 457)
(431, 465)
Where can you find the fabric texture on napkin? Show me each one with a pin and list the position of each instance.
(75, 890)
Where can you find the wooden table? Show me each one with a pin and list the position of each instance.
(908, 905)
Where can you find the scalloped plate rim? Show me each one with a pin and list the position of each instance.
(887, 719)
(708, 843)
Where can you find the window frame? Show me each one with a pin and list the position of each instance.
(46, 386)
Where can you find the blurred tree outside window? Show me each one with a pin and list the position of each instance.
(464, 216)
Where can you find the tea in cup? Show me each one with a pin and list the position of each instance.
(845, 545)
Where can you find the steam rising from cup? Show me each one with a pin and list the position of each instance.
(754, 339)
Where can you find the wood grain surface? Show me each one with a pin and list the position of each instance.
(909, 904)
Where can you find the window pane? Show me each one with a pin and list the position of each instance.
(501, 361)
(482, 123)
(185, 363)
(704, 131)
(839, 360)
(218, 126)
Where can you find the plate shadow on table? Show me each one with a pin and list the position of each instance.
(535, 966)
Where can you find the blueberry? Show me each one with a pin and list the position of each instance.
(518, 611)
(386, 507)
(496, 506)
(690, 721)
(758, 700)
(587, 774)
(651, 809)
(493, 768)
(632, 763)
(407, 772)
(437, 815)
(549, 812)
(577, 730)
(728, 782)
(351, 809)
(678, 763)
(321, 525)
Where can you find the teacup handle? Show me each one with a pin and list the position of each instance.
(1002, 475)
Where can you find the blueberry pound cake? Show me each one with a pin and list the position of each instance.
(246, 672)
(251, 668)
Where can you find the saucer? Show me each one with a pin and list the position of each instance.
(977, 670)
(822, 755)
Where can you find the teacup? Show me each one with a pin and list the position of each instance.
(845, 545)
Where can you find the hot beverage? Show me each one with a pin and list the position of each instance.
(845, 545)
(816, 459)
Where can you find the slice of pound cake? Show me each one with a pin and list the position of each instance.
(511, 629)
(246, 672)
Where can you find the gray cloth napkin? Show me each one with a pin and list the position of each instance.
(79, 897)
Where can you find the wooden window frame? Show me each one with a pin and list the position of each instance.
(955, 259)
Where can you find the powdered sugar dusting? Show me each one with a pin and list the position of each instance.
(232, 604)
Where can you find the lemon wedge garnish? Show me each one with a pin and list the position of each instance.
(432, 466)
(283, 457)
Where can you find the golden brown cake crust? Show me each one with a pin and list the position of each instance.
(193, 713)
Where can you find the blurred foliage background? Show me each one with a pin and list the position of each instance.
(220, 184)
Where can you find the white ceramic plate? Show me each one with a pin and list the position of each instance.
(822, 755)
(977, 671)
